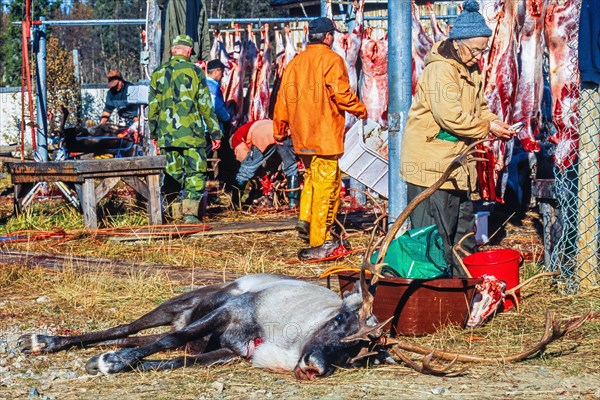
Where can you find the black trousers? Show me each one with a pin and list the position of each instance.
(452, 212)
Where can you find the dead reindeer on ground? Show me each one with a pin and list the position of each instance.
(98, 139)
(276, 322)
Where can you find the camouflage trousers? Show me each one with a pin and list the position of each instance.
(187, 166)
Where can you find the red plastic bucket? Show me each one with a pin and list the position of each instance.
(503, 264)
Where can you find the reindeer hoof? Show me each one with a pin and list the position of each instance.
(35, 344)
(111, 362)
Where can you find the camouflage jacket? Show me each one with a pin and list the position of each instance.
(180, 108)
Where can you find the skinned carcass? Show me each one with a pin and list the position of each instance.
(438, 33)
(530, 88)
(501, 74)
(561, 30)
(225, 55)
(421, 45)
(253, 56)
(216, 46)
(285, 50)
(290, 47)
(220, 51)
(275, 322)
(347, 45)
(234, 91)
(374, 77)
(280, 63)
(259, 102)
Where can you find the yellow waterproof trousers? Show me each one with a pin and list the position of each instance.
(320, 199)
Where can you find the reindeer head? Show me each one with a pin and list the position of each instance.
(353, 334)
(338, 341)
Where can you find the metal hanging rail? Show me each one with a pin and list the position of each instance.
(223, 21)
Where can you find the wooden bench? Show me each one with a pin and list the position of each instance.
(140, 173)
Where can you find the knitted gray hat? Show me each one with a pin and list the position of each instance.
(470, 23)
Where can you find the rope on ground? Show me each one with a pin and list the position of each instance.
(141, 231)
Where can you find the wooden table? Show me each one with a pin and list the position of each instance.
(141, 173)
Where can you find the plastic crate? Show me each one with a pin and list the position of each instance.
(362, 163)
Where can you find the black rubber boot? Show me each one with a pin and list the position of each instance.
(293, 194)
(325, 250)
(303, 229)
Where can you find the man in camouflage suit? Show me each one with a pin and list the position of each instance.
(179, 113)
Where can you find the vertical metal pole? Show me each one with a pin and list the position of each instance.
(452, 11)
(39, 47)
(399, 97)
(324, 8)
(154, 35)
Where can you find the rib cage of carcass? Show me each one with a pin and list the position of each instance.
(523, 30)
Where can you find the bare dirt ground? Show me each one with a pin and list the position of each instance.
(94, 283)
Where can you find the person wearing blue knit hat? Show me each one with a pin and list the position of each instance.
(447, 114)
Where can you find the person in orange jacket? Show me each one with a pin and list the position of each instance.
(313, 98)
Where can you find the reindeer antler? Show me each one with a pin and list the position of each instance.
(426, 368)
(553, 331)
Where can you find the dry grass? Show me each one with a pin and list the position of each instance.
(78, 298)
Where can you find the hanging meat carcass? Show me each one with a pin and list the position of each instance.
(421, 44)
(252, 55)
(438, 33)
(279, 58)
(348, 45)
(214, 50)
(235, 89)
(491, 10)
(373, 80)
(502, 73)
(530, 87)
(304, 36)
(259, 103)
(290, 47)
(501, 76)
(279, 68)
(229, 42)
(286, 51)
(219, 51)
(560, 31)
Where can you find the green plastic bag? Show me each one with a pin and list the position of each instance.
(417, 254)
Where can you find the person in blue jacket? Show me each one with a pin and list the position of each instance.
(214, 74)
(228, 165)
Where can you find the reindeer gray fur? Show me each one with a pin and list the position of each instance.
(276, 322)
